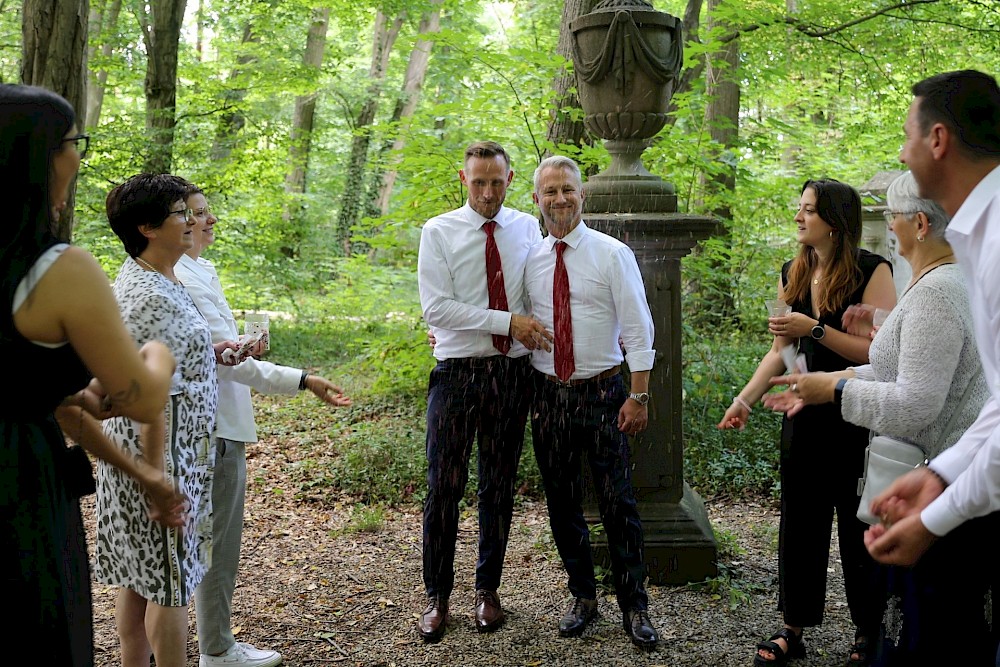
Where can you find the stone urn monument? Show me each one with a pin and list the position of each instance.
(627, 57)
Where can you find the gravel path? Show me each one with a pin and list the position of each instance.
(321, 594)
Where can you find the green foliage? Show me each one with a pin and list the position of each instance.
(366, 519)
(10, 41)
(726, 461)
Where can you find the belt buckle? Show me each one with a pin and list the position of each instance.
(554, 379)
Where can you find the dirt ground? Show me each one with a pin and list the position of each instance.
(321, 594)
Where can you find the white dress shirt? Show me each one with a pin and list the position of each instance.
(451, 273)
(235, 417)
(607, 301)
(972, 465)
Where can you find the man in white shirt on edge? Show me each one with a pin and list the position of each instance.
(586, 287)
(234, 428)
(470, 271)
(953, 149)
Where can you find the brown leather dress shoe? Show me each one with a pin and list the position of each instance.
(432, 622)
(576, 619)
(640, 629)
(489, 613)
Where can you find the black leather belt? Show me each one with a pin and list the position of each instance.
(603, 375)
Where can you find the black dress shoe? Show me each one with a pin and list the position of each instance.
(640, 629)
(432, 622)
(489, 613)
(576, 619)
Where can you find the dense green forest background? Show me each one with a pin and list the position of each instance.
(326, 133)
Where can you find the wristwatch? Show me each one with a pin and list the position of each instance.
(818, 332)
(641, 398)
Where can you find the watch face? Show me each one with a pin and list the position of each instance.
(642, 398)
(818, 331)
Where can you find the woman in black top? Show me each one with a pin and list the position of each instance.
(821, 454)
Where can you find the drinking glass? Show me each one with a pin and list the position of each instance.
(255, 323)
(777, 308)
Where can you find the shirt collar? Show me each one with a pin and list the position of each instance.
(967, 215)
(478, 221)
(573, 239)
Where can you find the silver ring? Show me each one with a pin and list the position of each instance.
(795, 388)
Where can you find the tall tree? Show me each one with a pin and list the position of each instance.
(302, 127)
(722, 120)
(406, 103)
(566, 126)
(305, 105)
(160, 21)
(385, 32)
(232, 119)
(104, 22)
(54, 56)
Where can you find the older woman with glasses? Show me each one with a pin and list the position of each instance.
(158, 568)
(923, 361)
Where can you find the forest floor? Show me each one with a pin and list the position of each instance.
(320, 591)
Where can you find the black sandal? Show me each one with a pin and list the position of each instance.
(796, 649)
(859, 648)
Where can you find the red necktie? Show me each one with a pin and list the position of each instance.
(563, 318)
(494, 282)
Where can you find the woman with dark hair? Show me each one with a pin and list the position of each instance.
(59, 327)
(821, 455)
(158, 569)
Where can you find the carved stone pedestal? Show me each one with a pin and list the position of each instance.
(679, 543)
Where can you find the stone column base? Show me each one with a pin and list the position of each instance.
(680, 545)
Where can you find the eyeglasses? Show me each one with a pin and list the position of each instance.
(85, 138)
(891, 215)
(186, 212)
(203, 211)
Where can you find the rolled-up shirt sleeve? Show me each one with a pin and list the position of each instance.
(634, 316)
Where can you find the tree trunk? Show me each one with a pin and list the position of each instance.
(406, 105)
(104, 21)
(231, 122)
(385, 33)
(161, 31)
(199, 45)
(305, 105)
(692, 27)
(563, 128)
(54, 55)
(722, 118)
(301, 135)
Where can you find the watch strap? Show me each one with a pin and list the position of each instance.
(838, 391)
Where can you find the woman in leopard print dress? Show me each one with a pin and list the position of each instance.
(158, 568)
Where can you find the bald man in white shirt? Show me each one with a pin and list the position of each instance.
(470, 271)
(581, 403)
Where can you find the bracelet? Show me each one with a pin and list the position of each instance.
(739, 399)
(302, 381)
(838, 391)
